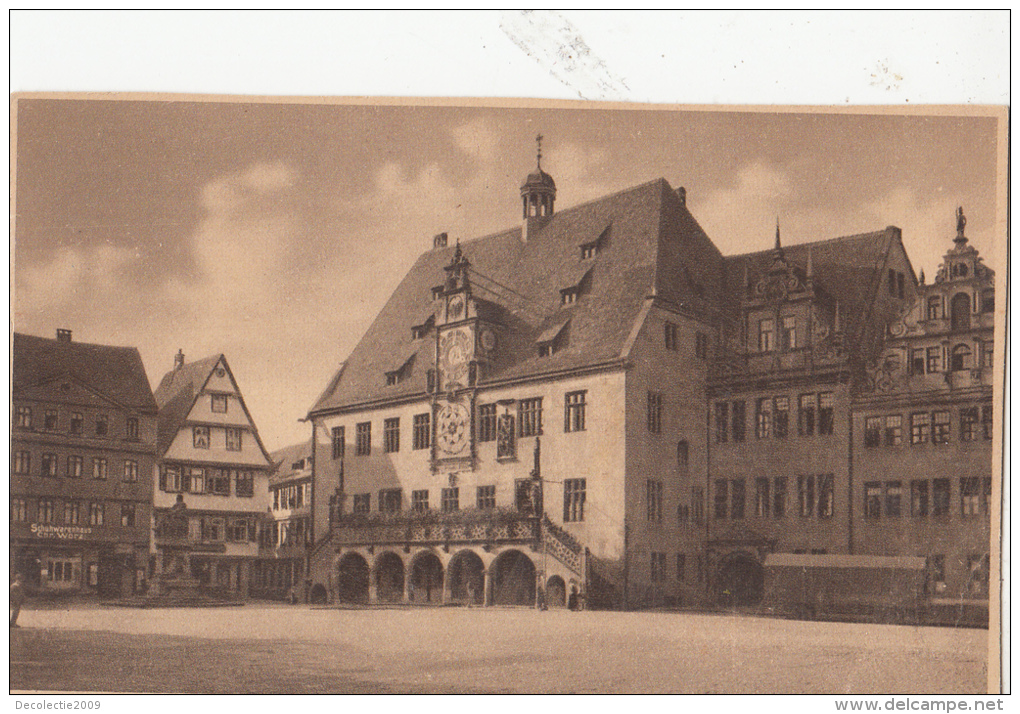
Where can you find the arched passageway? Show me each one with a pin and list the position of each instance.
(426, 579)
(513, 579)
(467, 578)
(352, 579)
(741, 580)
(389, 578)
(556, 592)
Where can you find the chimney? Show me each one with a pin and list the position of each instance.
(681, 193)
(179, 359)
(63, 335)
(440, 240)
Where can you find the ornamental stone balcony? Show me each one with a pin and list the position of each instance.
(430, 528)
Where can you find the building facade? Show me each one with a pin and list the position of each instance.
(83, 446)
(598, 399)
(280, 573)
(211, 486)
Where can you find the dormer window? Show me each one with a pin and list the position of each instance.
(392, 378)
(568, 296)
(418, 332)
(552, 339)
(589, 250)
(437, 292)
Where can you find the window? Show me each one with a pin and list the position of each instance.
(971, 497)
(421, 437)
(127, 515)
(97, 514)
(23, 417)
(722, 419)
(389, 500)
(658, 567)
(130, 470)
(917, 361)
(737, 498)
(934, 307)
(244, 484)
(762, 502)
(701, 345)
(934, 360)
(50, 420)
(506, 447)
(337, 435)
(681, 567)
(987, 354)
(806, 415)
(900, 292)
(894, 430)
(573, 499)
(672, 337)
(826, 495)
(131, 428)
(362, 502)
(781, 417)
(920, 427)
(872, 431)
(72, 513)
(986, 420)
(233, 439)
(968, 423)
(940, 427)
(391, 435)
(568, 296)
(171, 479)
(219, 403)
(936, 574)
(102, 425)
(779, 497)
(739, 420)
(940, 491)
(589, 250)
(806, 495)
(47, 511)
(200, 437)
(531, 416)
(450, 499)
(214, 529)
(217, 482)
(961, 358)
(789, 334)
(99, 469)
(419, 501)
(653, 490)
(49, 465)
(826, 415)
(19, 510)
(977, 566)
(893, 499)
(873, 499)
(919, 498)
(239, 529)
(655, 412)
(766, 335)
(21, 463)
(574, 408)
(486, 497)
(698, 505)
(194, 481)
(486, 422)
(959, 308)
(363, 439)
(683, 514)
(682, 453)
(892, 282)
(764, 418)
(722, 498)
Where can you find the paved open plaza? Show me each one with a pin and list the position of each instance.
(297, 649)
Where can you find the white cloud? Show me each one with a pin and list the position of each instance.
(742, 218)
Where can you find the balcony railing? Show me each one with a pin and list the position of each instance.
(484, 526)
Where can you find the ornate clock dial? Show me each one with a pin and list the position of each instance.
(454, 354)
(488, 340)
(452, 428)
(455, 308)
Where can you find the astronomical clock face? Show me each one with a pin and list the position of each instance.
(453, 424)
(455, 308)
(455, 351)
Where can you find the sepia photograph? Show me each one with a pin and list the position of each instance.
(323, 395)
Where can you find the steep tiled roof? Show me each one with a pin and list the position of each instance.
(175, 395)
(284, 459)
(521, 280)
(116, 373)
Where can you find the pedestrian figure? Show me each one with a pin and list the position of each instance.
(17, 598)
(572, 598)
(471, 593)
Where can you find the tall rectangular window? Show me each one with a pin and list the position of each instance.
(48, 511)
(422, 437)
(738, 498)
(21, 463)
(700, 345)
(806, 415)
(968, 423)
(362, 502)
(49, 465)
(917, 361)
(940, 427)
(977, 566)
(420, 501)
(682, 453)
(50, 420)
(99, 469)
(893, 499)
(339, 442)
(450, 499)
(244, 485)
(934, 360)
(873, 499)
(894, 430)
(806, 495)
(487, 422)
(986, 421)
(19, 510)
(233, 438)
(574, 493)
(672, 337)
(722, 410)
(97, 514)
(130, 471)
(200, 437)
(764, 418)
(766, 335)
(781, 417)
(573, 411)
(72, 513)
(23, 417)
(363, 439)
(486, 497)
(762, 502)
(655, 412)
(131, 428)
(919, 498)
(102, 425)
(681, 567)
(739, 420)
(920, 427)
(127, 515)
(654, 500)
(218, 403)
(826, 495)
(970, 497)
(658, 567)
(826, 413)
(697, 505)
(389, 500)
(872, 431)
(722, 498)
(391, 435)
(940, 496)
(790, 333)
(531, 416)
(779, 497)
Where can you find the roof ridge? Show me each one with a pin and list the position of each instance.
(810, 244)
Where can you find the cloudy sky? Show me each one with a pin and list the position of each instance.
(274, 232)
